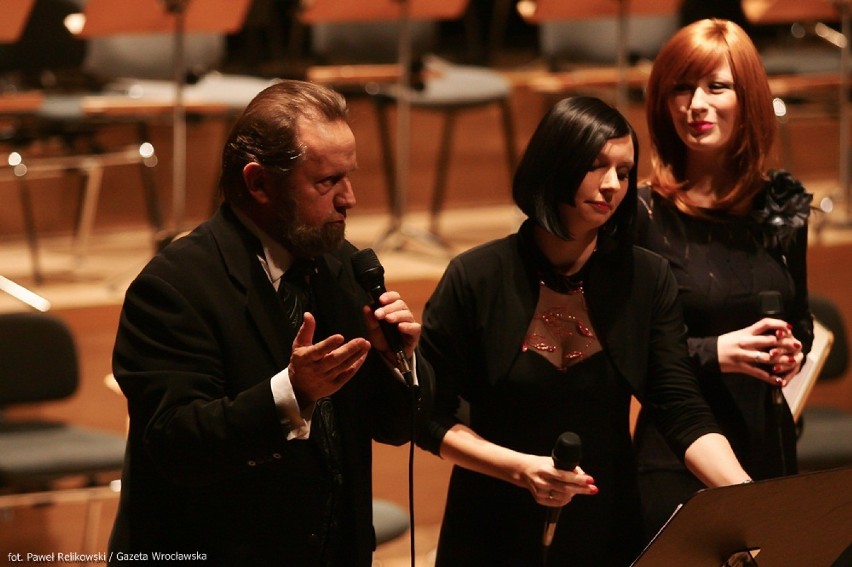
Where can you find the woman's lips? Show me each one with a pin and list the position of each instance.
(700, 126)
(601, 206)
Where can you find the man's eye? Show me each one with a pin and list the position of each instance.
(327, 184)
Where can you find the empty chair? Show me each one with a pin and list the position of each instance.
(38, 363)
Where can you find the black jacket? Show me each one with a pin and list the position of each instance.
(208, 467)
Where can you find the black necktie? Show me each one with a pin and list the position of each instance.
(294, 290)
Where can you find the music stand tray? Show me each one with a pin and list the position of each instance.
(803, 519)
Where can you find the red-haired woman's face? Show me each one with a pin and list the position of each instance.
(704, 112)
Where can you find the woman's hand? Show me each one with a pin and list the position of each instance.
(550, 486)
(766, 350)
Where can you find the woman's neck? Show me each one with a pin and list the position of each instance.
(706, 179)
(566, 256)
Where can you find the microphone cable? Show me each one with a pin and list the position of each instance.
(414, 390)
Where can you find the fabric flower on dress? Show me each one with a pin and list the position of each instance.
(783, 209)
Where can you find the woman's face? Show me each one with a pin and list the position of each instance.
(602, 189)
(704, 113)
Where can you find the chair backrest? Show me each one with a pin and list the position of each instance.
(151, 56)
(368, 42)
(827, 313)
(369, 31)
(565, 43)
(572, 33)
(38, 359)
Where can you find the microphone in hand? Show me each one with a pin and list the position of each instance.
(370, 274)
(566, 456)
(771, 305)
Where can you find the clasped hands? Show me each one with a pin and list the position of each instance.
(317, 370)
(766, 350)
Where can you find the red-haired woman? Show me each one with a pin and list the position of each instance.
(735, 234)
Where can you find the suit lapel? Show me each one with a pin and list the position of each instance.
(239, 249)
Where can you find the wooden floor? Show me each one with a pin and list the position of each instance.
(87, 291)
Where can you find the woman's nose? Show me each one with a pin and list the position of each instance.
(610, 180)
(698, 100)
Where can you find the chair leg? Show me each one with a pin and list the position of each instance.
(91, 525)
(388, 158)
(29, 227)
(149, 185)
(443, 167)
(94, 177)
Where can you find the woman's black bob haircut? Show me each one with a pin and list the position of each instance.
(560, 153)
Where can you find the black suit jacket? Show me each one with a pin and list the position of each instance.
(208, 467)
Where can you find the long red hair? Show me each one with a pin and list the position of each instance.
(694, 52)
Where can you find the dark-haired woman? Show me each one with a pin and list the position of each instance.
(552, 329)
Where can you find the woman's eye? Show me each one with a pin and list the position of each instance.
(682, 88)
(718, 87)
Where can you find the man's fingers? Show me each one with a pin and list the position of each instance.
(305, 336)
(352, 353)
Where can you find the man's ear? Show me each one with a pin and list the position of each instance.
(257, 181)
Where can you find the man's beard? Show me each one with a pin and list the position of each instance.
(305, 241)
(309, 242)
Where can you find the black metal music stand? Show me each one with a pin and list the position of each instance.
(111, 17)
(15, 15)
(791, 11)
(404, 12)
(539, 11)
(803, 519)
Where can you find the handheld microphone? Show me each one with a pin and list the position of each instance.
(771, 305)
(566, 456)
(371, 276)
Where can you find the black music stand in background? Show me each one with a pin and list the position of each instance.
(113, 17)
(795, 11)
(801, 520)
(542, 11)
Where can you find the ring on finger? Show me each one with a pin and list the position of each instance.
(756, 357)
(550, 495)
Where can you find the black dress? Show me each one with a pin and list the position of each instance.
(721, 265)
(518, 399)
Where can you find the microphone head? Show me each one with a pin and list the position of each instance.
(368, 270)
(567, 451)
(771, 304)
